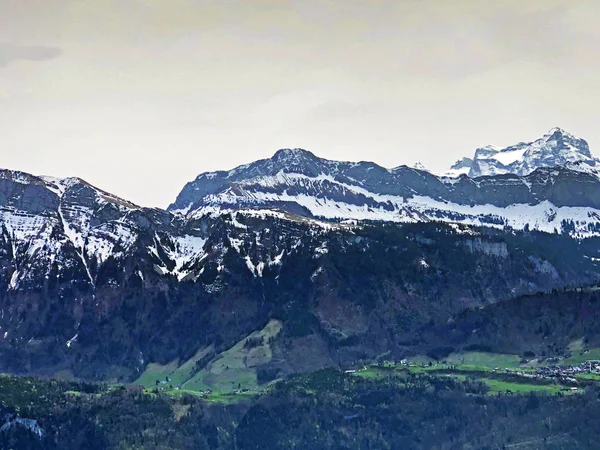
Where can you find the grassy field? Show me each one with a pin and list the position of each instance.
(497, 386)
(576, 346)
(214, 397)
(176, 373)
(156, 372)
(580, 356)
(484, 359)
(377, 373)
(588, 376)
(228, 372)
(421, 359)
(236, 367)
(462, 373)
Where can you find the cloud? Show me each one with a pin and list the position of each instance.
(10, 53)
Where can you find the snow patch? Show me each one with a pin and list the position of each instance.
(73, 339)
(257, 270)
(510, 156)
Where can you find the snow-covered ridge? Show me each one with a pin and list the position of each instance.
(289, 161)
(544, 216)
(184, 251)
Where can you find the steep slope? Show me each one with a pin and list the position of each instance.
(555, 148)
(44, 218)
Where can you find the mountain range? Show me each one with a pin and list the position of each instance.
(550, 185)
(339, 260)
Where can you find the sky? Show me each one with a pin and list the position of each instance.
(140, 96)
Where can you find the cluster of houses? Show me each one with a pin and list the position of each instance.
(543, 373)
(564, 372)
(561, 373)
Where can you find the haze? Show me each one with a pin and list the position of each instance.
(140, 96)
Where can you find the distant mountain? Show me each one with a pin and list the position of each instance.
(558, 199)
(460, 167)
(419, 166)
(555, 148)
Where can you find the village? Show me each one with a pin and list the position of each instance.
(568, 378)
(567, 372)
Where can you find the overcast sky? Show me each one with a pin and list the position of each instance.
(140, 96)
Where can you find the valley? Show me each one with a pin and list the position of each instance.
(501, 373)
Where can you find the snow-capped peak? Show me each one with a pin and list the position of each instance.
(558, 131)
(557, 147)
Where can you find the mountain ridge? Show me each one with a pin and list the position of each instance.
(562, 198)
(549, 198)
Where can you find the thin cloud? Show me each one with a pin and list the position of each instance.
(10, 53)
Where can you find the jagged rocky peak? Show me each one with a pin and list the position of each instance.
(460, 167)
(462, 163)
(555, 148)
(293, 155)
(297, 160)
(287, 160)
(559, 138)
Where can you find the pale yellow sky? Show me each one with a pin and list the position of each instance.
(139, 96)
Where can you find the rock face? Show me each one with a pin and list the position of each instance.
(460, 167)
(555, 148)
